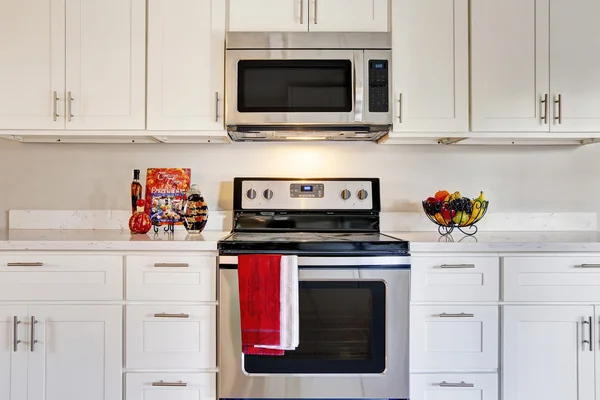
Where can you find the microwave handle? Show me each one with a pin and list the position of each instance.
(359, 85)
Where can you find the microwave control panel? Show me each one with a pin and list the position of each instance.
(378, 86)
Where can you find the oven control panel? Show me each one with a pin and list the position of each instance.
(307, 195)
(378, 86)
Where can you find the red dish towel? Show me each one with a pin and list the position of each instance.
(259, 278)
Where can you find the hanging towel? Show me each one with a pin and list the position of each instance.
(289, 306)
(259, 277)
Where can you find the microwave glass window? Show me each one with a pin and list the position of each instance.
(342, 330)
(294, 86)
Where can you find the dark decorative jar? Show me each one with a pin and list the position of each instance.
(195, 210)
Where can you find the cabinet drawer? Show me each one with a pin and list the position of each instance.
(551, 279)
(455, 278)
(170, 386)
(454, 387)
(60, 277)
(454, 338)
(171, 278)
(173, 337)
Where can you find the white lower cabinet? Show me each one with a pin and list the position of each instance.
(453, 338)
(455, 387)
(13, 353)
(548, 352)
(161, 386)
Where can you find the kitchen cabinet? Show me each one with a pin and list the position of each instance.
(73, 64)
(308, 15)
(547, 352)
(574, 65)
(454, 387)
(510, 67)
(32, 64)
(430, 42)
(185, 64)
(76, 352)
(13, 353)
(161, 386)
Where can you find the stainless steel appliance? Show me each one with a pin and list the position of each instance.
(308, 85)
(354, 292)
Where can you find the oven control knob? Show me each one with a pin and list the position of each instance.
(345, 194)
(251, 194)
(362, 194)
(268, 194)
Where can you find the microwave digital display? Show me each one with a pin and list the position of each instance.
(306, 188)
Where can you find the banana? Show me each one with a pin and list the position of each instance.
(438, 217)
(477, 206)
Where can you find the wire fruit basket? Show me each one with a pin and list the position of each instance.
(456, 214)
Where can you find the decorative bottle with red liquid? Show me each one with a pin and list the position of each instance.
(136, 190)
(140, 221)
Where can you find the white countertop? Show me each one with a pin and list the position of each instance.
(108, 239)
(502, 242)
(420, 242)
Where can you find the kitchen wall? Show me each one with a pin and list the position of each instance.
(515, 179)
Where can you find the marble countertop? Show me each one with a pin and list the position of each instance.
(502, 242)
(108, 239)
(420, 242)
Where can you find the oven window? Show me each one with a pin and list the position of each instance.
(294, 86)
(342, 330)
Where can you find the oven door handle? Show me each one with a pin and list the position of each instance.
(359, 85)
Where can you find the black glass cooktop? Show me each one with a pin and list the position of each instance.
(312, 242)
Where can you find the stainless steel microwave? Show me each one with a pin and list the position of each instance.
(333, 86)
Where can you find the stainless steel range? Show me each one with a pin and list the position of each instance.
(354, 292)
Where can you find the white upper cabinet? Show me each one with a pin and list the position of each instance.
(547, 352)
(268, 15)
(430, 41)
(305, 15)
(510, 65)
(185, 64)
(348, 15)
(32, 64)
(575, 65)
(106, 64)
(13, 353)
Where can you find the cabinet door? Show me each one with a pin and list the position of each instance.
(268, 15)
(166, 386)
(509, 67)
(430, 44)
(547, 354)
(106, 64)
(574, 64)
(454, 387)
(13, 353)
(348, 15)
(185, 64)
(76, 353)
(32, 64)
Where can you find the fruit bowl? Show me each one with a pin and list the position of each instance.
(455, 212)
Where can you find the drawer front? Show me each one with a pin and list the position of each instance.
(173, 337)
(167, 386)
(551, 279)
(454, 387)
(454, 338)
(171, 278)
(60, 277)
(455, 278)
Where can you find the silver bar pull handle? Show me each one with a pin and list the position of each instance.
(301, 12)
(33, 341)
(16, 340)
(25, 264)
(559, 115)
(545, 106)
(55, 106)
(169, 384)
(70, 100)
(216, 106)
(450, 266)
(588, 266)
(165, 315)
(171, 265)
(400, 107)
(315, 11)
(461, 384)
(461, 315)
(589, 340)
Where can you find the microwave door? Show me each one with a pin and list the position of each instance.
(293, 86)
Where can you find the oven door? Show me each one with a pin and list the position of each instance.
(279, 87)
(353, 334)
